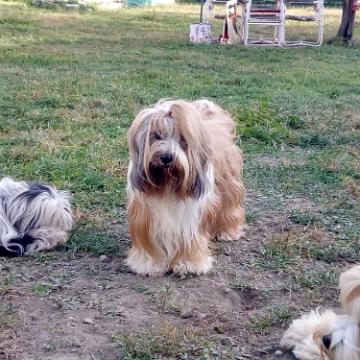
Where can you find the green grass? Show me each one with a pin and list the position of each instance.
(264, 323)
(167, 340)
(71, 84)
(44, 289)
(8, 315)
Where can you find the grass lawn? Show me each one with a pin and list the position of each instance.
(70, 85)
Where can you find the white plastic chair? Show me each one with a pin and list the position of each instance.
(260, 16)
(318, 18)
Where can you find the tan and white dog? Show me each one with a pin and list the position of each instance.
(326, 335)
(184, 186)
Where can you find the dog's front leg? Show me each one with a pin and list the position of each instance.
(195, 259)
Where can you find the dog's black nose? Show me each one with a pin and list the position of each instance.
(166, 159)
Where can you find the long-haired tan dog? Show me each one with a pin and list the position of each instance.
(184, 186)
(326, 335)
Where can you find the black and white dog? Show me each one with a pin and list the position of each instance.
(33, 217)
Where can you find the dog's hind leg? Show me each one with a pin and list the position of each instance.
(232, 224)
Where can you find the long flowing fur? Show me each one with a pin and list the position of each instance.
(326, 335)
(33, 217)
(184, 186)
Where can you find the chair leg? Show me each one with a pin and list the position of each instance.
(321, 22)
(245, 22)
(282, 24)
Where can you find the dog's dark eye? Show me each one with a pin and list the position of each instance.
(157, 136)
(183, 141)
(326, 341)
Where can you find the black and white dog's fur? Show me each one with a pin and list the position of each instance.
(33, 217)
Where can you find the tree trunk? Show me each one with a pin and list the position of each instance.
(346, 28)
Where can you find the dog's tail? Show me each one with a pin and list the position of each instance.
(33, 217)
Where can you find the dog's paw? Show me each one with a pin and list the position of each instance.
(232, 235)
(142, 264)
(186, 267)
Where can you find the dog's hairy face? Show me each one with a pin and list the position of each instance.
(169, 151)
(339, 340)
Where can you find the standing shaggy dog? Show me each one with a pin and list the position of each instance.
(33, 217)
(184, 186)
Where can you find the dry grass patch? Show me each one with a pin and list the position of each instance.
(167, 340)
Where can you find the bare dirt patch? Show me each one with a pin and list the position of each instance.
(85, 307)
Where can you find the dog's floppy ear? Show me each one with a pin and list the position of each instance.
(137, 177)
(189, 122)
(201, 183)
(198, 187)
(137, 139)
